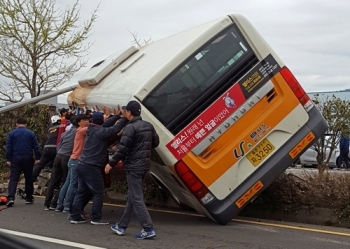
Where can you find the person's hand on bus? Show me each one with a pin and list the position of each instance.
(36, 162)
(117, 110)
(8, 163)
(108, 168)
(106, 112)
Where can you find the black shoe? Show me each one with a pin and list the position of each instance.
(30, 201)
(99, 222)
(78, 221)
(10, 202)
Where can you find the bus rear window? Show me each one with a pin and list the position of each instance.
(200, 74)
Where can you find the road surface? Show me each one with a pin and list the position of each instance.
(48, 229)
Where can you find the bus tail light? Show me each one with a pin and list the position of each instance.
(198, 189)
(298, 90)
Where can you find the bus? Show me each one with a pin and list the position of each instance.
(230, 114)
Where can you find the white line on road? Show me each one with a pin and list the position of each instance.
(47, 239)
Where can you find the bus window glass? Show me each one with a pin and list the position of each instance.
(196, 75)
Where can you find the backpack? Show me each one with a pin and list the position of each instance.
(3, 200)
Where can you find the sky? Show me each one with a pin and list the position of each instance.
(312, 37)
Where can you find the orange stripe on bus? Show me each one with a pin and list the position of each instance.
(236, 141)
(249, 194)
(301, 145)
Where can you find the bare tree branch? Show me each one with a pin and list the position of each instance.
(41, 46)
(138, 41)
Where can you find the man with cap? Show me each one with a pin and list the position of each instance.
(90, 163)
(137, 140)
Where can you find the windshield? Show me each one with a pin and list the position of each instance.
(197, 75)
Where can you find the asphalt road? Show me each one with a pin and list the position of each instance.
(48, 229)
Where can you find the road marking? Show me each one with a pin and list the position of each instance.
(292, 227)
(51, 240)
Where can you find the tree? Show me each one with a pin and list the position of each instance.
(139, 42)
(337, 114)
(41, 46)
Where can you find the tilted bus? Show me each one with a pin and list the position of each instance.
(231, 116)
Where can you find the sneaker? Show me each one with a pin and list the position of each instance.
(146, 235)
(118, 229)
(69, 217)
(10, 202)
(65, 210)
(99, 222)
(29, 201)
(78, 221)
(59, 209)
(47, 208)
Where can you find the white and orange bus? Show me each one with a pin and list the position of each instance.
(230, 114)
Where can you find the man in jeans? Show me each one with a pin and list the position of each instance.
(89, 168)
(72, 180)
(137, 140)
(20, 144)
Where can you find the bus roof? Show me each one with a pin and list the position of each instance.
(141, 72)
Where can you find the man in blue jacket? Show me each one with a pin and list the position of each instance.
(90, 166)
(344, 150)
(20, 145)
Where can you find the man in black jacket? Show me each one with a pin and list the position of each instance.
(90, 167)
(49, 152)
(137, 140)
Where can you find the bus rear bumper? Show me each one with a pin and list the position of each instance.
(222, 211)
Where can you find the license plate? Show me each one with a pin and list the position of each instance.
(260, 152)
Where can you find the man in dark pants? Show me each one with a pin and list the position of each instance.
(49, 152)
(137, 140)
(344, 151)
(20, 145)
(60, 165)
(90, 165)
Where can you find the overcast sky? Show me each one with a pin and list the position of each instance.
(312, 37)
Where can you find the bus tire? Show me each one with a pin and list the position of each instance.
(170, 193)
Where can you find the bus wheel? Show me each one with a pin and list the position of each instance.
(170, 193)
